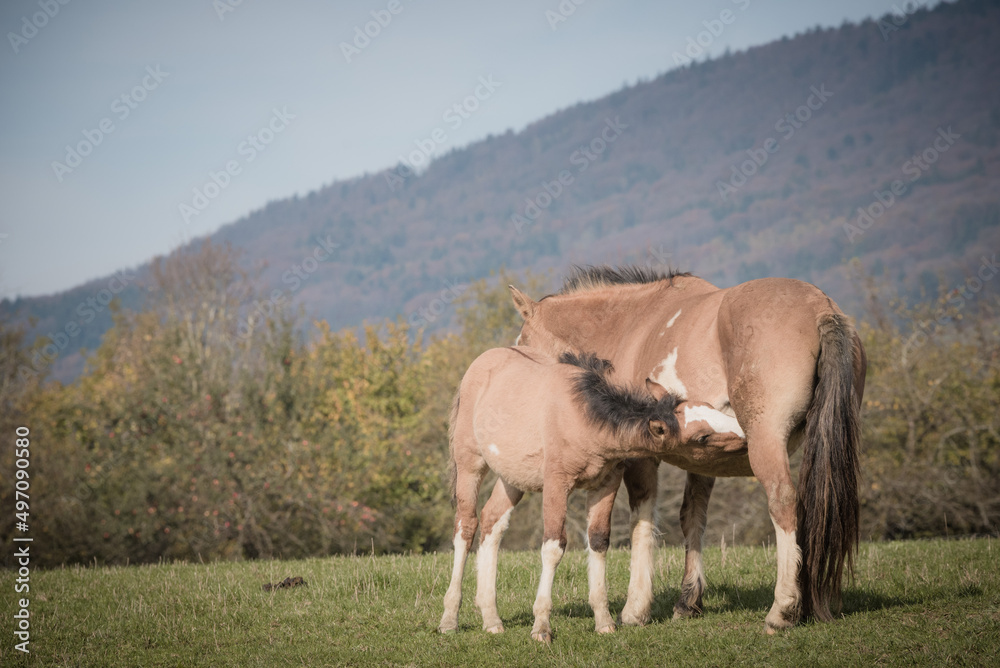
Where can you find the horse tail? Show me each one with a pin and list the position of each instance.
(452, 465)
(828, 506)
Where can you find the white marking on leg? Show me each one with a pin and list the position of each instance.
(598, 581)
(637, 610)
(486, 573)
(552, 554)
(696, 572)
(492, 447)
(670, 322)
(787, 598)
(665, 374)
(717, 420)
(453, 597)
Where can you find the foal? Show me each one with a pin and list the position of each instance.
(549, 426)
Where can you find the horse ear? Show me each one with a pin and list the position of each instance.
(524, 304)
(657, 428)
(655, 389)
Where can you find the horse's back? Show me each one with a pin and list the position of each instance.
(510, 396)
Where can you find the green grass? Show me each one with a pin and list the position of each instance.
(928, 603)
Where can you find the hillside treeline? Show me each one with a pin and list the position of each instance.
(208, 425)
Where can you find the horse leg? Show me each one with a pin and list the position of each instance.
(466, 497)
(769, 461)
(640, 482)
(496, 519)
(554, 498)
(600, 503)
(694, 516)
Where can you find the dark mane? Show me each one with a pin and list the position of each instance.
(623, 411)
(588, 362)
(590, 277)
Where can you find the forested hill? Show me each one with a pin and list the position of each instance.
(876, 140)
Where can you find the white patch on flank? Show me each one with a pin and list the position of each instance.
(492, 447)
(665, 374)
(717, 420)
(670, 322)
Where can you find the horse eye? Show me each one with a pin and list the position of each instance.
(703, 438)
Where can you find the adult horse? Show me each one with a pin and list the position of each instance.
(779, 356)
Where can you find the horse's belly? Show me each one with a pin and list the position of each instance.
(716, 465)
(520, 467)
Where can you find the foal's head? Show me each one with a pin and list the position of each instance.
(700, 423)
(656, 418)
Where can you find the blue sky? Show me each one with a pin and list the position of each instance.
(265, 96)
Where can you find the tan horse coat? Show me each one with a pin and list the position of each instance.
(555, 427)
(776, 354)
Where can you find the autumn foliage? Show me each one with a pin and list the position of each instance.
(202, 429)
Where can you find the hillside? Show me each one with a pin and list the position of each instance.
(823, 123)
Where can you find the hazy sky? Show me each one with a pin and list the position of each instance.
(154, 97)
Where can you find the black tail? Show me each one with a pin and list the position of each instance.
(828, 478)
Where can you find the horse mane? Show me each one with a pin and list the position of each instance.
(592, 277)
(624, 411)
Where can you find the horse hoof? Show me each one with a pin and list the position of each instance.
(684, 612)
(776, 621)
(771, 628)
(447, 630)
(610, 628)
(542, 636)
(630, 619)
(495, 629)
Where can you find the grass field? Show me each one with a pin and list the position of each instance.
(931, 603)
